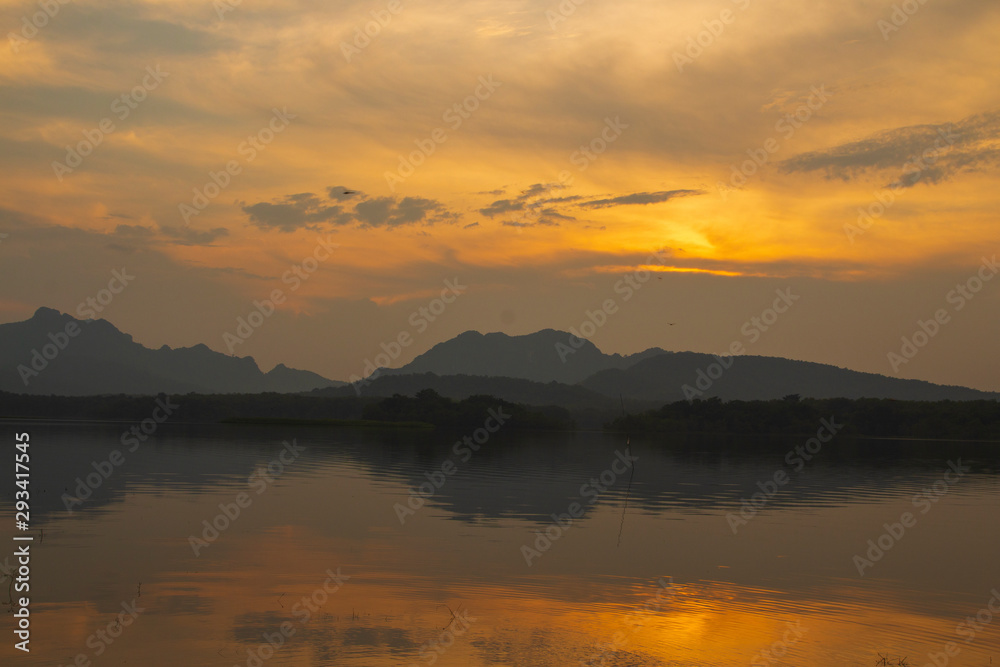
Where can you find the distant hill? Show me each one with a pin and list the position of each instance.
(458, 387)
(663, 378)
(474, 363)
(285, 380)
(589, 409)
(100, 359)
(543, 356)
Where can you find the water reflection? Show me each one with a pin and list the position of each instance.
(786, 575)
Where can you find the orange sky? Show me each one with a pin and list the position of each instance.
(554, 157)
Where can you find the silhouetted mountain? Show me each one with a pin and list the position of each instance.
(54, 353)
(655, 376)
(285, 380)
(664, 377)
(544, 356)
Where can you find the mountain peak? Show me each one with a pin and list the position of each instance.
(47, 314)
(546, 355)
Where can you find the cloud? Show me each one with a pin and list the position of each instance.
(18, 219)
(929, 153)
(501, 206)
(549, 211)
(538, 216)
(190, 236)
(640, 198)
(131, 29)
(388, 212)
(133, 231)
(307, 211)
(298, 211)
(544, 217)
(563, 200)
(539, 189)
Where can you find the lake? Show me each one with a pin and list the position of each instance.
(293, 545)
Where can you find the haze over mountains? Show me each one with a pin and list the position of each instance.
(547, 367)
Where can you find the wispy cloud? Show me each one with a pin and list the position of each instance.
(929, 153)
(537, 208)
(640, 198)
(307, 211)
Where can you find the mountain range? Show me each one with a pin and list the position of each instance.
(54, 353)
(553, 367)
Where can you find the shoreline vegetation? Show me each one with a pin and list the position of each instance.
(331, 423)
(792, 415)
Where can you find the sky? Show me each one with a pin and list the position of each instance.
(356, 171)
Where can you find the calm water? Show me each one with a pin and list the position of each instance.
(451, 584)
